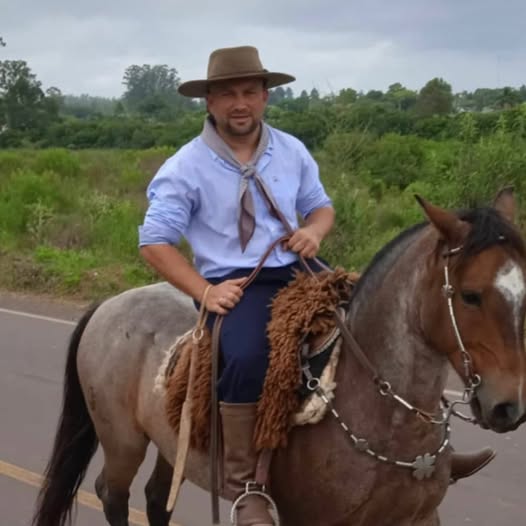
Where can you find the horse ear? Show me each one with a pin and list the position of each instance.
(453, 229)
(506, 204)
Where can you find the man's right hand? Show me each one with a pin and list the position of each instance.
(224, 296)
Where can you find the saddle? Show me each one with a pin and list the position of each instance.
(302, 329)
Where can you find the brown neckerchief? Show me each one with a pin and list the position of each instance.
(246, 210)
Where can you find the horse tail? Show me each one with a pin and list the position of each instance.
(75, 444)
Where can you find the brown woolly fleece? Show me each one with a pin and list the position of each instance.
(305, 307)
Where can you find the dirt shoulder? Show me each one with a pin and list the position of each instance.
(42, 305)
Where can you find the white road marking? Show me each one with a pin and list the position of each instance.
(85, 498)
(37, 316)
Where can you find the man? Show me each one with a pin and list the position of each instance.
(201, 194)
(214, 192)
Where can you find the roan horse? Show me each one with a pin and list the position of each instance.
(408, 325)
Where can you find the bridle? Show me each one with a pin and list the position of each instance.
(472, 380)
(423, 466)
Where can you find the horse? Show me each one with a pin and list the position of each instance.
(450, 290)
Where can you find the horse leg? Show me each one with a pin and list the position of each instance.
(156, 491)
(112, 485)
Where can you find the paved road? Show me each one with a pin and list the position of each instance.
(33, 336)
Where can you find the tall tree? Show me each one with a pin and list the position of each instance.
(347, 96)
(375, 95)
(152, 90)
(401, 97)
(276, 95)
(508, 98)
(53, 101)
(314, 94)
(23, 103)
(435, 98)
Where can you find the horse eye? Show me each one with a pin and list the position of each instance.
(472, 298)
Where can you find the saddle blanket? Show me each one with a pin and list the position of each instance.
(302, 313)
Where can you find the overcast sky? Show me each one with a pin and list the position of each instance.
(84, 46)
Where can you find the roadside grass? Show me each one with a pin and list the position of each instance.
(69, 219)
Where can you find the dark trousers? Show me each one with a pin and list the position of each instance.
(244, 346)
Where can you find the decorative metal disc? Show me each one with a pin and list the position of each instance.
(424, 466)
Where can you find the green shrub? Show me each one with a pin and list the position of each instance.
(68, 220)
(397, 160)
(57, 160)
(67, 266)
(10, 161)
(24, 195)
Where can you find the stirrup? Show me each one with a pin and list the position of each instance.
(252, 488)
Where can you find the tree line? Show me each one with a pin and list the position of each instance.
(152, 113)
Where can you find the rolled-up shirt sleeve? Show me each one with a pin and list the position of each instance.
(171, 203)
(311, 194)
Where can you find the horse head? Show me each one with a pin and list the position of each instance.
(479, 262)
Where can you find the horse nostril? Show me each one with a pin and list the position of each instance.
(505, 412)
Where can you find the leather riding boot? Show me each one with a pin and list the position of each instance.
(240, 459)
(466, 464)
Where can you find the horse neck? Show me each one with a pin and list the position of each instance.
(385, 320)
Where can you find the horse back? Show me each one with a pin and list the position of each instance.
(120, 353)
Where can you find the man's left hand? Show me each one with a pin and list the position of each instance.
(305, 242)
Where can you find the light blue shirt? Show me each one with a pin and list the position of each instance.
(195, 195)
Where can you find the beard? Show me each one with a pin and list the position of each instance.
(240, 129)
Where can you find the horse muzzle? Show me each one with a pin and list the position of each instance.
(501, 416)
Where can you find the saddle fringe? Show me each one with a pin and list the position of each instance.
(305, 307)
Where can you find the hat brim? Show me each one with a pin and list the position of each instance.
(199, 88)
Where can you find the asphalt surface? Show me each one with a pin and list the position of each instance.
(33, 340)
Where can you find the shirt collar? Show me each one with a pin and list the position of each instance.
(264, 160)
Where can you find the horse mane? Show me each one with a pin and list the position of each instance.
(488, 228)
(384, 258)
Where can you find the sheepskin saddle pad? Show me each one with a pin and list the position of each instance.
(302, 327)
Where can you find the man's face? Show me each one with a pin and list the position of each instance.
(237, 105)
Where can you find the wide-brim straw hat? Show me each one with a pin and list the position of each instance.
(233, 63)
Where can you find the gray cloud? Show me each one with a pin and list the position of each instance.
(84, 47)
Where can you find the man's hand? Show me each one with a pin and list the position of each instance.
(305, 241)
(224, 296)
